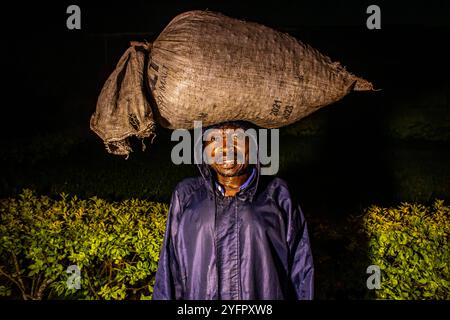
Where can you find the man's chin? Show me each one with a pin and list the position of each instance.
(227, 172)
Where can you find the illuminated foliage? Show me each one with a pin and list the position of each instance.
(410, 244)
(115, 245)
(116, 248)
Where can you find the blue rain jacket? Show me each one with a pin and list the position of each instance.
(253, 245)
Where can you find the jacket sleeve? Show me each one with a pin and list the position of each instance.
(167, 285)
(301, 266)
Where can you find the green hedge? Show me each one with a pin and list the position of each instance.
(116, 247)
(410, 244)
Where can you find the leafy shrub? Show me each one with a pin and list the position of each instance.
(115, 246)
(410, 244)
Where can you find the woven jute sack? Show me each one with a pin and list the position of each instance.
(123, 109)
(210, 67)
(206, 66)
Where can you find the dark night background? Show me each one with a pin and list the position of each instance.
(374, 147)
(379, 147)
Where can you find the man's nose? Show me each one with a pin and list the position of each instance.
(226, 151)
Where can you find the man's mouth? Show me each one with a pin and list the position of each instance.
(227, 164)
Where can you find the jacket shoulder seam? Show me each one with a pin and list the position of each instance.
(188, 186)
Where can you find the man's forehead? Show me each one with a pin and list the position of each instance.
(223, 131)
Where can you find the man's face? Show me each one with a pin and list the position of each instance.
(228, 149)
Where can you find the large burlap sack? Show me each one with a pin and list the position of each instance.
(206, 66)
(123, 110)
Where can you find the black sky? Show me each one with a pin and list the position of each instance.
(53, 75)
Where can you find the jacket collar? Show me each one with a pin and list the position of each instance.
(246, 192)
(243, 186)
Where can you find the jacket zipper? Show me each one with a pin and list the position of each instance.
(238, 269)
